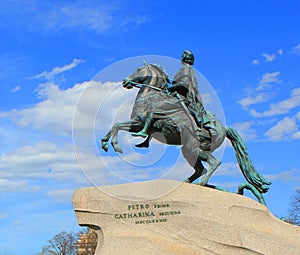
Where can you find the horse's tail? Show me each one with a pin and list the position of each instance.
(248, 170)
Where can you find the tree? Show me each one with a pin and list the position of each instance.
(294, 211)
(87, 242)
(81, 243)
(61, 244)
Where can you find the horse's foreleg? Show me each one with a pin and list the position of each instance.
(125, 126)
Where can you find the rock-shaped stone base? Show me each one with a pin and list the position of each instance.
(189, 220)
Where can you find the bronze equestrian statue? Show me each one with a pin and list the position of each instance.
(175, 115)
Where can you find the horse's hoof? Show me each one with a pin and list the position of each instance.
(187, 181)
(202, 182)
(117, 148)
(104, 146)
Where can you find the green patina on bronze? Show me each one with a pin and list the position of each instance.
(174, 114)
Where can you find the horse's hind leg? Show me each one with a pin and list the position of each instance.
(213, 165)
(199, 170)
(195, 161)
(193, 153)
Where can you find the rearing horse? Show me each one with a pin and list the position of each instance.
(171, 124)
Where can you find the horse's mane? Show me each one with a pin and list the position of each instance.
(162, 70)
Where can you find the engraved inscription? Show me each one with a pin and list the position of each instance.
(146, 213)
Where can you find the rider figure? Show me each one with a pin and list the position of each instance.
(184, 84)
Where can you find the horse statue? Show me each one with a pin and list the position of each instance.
(172, 124)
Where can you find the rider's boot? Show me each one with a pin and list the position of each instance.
(144, 144)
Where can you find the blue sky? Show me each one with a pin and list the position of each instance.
(249, 51)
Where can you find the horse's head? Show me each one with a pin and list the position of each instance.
(150, 74)
(138, 77)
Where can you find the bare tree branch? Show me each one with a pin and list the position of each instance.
(294, 211)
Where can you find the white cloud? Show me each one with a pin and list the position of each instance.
(287, 176)
(55, 111)
(7, 186)
(15, 89)
(41, 160)
(269, 57)
(96, 17)
(269, 78)
(253, 99)
(136, 21)
(93, 17)
(3, 216)
(296, 135)
(61, 15)
(262, 92)
(246, 130)
(282, 107)
(296, 49)
(22, 168)
(228, 168)
(59, 69)
(61, 195)
(283, 129)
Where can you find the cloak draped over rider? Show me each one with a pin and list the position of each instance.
(185, 84)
